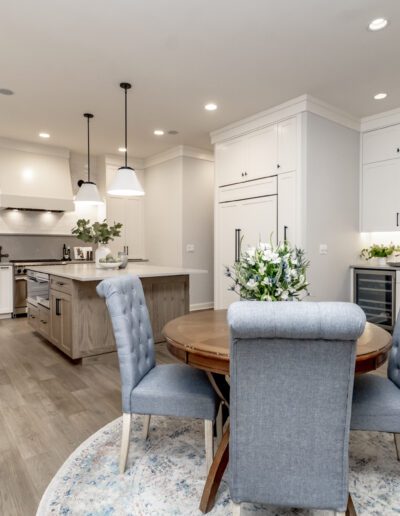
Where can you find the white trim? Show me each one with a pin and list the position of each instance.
(177, 152)
(114, 160)
(385, 119)
(283, 111)
(201, 306)
(35, 148)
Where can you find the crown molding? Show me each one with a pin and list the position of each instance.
(178, 152)
(34, 148)
(281, 112)
(116, 160)
(385, 119)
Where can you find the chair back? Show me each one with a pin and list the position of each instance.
(132, 330)
(394, 358)
(292, 372)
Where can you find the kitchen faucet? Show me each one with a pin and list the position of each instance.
(2, 255)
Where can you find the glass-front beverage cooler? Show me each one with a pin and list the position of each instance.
(375, 292)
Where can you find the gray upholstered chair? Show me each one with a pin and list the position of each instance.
(292, 372)
(376, 400)
(167, 390)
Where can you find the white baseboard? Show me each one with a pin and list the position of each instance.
(202, 306)
(5, 316)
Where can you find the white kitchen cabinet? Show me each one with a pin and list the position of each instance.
(287, 207)
(261, 153)
(130, 212)
(381, 144)
(230, 158)
(380, 196)
(287, 145)
(6, 290)
(269, 151)
(241, 224)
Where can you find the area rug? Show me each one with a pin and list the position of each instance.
(165, 475)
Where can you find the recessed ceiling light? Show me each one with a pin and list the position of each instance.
(158, 132)
(173, 132)
(6, 91)
(378, 24)
(44, 135)
(121, 149)
(211, 106)
(380, 96)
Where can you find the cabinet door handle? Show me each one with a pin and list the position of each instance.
(237, 245)
(278, 166)
(127, 250)
(397, 219)
(398, 149)
(58, 307)
(285, 228)
(60, 284)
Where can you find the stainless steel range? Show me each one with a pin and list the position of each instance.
(21, 281)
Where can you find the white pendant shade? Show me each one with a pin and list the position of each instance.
(125, 183)
(88, 194)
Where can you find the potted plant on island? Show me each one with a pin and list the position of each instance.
(270, 273)
(381, 252)
(99, 233)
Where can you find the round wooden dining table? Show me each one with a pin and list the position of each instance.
(201, 339)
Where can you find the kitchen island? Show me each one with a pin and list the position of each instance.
(76, 319)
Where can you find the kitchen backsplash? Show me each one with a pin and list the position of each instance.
(28, 247)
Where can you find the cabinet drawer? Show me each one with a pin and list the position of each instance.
(249, 190)
(44, 321)
(61, 284)
(33, 316)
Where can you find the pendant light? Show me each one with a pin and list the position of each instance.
(88, 193)
(125, 182)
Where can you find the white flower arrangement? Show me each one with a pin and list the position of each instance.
(270, 273)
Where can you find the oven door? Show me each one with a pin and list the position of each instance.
(20, 294)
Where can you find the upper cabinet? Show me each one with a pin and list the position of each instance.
(381, 144)
(266, 152)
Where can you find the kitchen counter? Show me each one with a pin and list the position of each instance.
(77, 320)
(367, 265)
(88, 271)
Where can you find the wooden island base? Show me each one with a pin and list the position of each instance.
(78, 323)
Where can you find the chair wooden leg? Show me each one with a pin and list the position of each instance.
(397, 444)
(146, 425)
(125, 437)
(351, 510)
(236, 509)
(209, 443)
(219, 425)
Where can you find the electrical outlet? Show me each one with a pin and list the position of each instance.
(323, 249)
(190, 248)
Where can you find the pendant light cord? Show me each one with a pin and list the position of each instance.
(126, 127)
(88, 148)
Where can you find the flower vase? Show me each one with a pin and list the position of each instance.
(101, 252)
(382, 262)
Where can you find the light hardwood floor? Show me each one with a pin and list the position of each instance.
(48, 406)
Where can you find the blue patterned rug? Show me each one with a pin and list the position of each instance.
(165, 475)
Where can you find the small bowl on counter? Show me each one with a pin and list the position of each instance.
(109, 265)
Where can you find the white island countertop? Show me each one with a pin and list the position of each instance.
(88, 271)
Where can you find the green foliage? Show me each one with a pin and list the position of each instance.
(97, 233)
(378, 251)
(270, 273)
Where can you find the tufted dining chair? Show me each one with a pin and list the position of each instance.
(168, 390)
(292, 372)
(376, 400)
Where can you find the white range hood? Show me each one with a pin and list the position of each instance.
(34, 177)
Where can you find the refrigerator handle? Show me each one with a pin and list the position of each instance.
(237, 245)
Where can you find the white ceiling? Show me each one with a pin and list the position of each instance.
(65, 57)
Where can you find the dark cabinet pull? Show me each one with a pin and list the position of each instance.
(397, 219)
(398, 149)
(285, 228)
(278, 166)
(58, 307)
(237, 245)
(60, 284)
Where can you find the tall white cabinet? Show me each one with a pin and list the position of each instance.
(130, 212)
(282, 175)
(6, 291)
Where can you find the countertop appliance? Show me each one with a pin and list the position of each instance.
(377, 292)
(21, 281)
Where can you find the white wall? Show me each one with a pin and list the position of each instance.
(332, 206)
(198, 227)
(163, 212)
